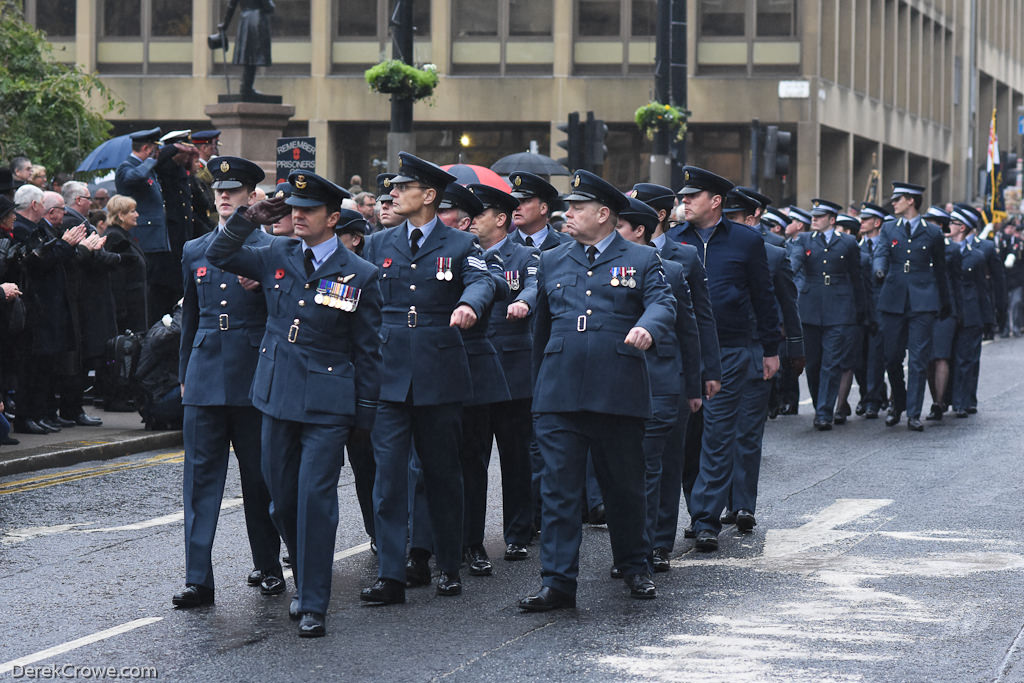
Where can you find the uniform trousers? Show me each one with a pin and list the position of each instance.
(302, 464)
(871, 379)
(615, 442)
(435, 431)
(829, 349)
(726, 416)
(749, 439)
(671, 483)
(360, 459)
(657, 439)
(966, 367)
(909, 333)
(208, 433)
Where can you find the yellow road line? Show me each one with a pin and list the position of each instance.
(55, 478)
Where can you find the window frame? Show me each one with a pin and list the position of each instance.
(503, 38)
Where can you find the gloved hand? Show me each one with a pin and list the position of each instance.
(268, 211)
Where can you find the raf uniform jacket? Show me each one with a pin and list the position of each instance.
(913, 268)
(977, 309)
(871, 286)
(581, 362)
(222, 325)
(137, 179)
(786, 299)
(697, 279)
(424, 360)
(512, 338)
(317, 364)
(673, 364)
(739, 284)
(832, 292)
(485, 369)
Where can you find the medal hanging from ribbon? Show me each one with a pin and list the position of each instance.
(337, 295)
(512, 277)
(631, 282)
(618, 273)
(444, 268)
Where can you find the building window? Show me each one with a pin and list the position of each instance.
(170, 19)
(362, 33)
(723, 17)
(56, 18)
(502, 37)
(645, 18)
(598, 18)
(747, 37)
(776, 18)
(614, 38)
(358, 19)
(291, 18)
(122, 19)
(144, 36)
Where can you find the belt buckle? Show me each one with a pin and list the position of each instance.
(222, 321)
(412, 318)
(581, 323)
(828, 280)
(293, 332)
(906, 266)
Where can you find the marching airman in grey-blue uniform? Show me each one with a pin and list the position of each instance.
(222, 324)
(433, 280)
(601, 302)
(318, 375)
(910, 263)
(831, 305)
(872, 380)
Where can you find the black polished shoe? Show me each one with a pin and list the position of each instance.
(745, 521)
(597, 515)
(293, 609)
(789, 409)
(515, 552)
(843, 410)
(822, 425)
(839, 419)
(255, 577)
(935, 413)
(641, 587)
(312, 625)
(30, 427)
(9, 441)
(914, 424)
(962, 414)
(384, 592)
(860, 409)
(972, 411)
(707, 541)
(49, 424)
(193, 596)
(417, 570)
(478, 561)
(659, 560)
(84, 420)
(688, 532)
(892, 419)
(547, 599)
(871, 413)
(449, 584)
(773, 412)
(728, 517)
(272, 585)
(615, 573)
(61, 421)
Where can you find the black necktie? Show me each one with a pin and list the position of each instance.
(414, 240)
(906, 224)
(528, 241)
(591, 253)
(308, 262)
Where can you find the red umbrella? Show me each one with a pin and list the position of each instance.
(470, 173)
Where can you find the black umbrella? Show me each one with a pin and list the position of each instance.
(529, 162)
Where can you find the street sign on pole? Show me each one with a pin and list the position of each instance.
(1020, 124)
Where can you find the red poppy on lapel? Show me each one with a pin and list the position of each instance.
(200, 271)
(387, 263)
(279, 274)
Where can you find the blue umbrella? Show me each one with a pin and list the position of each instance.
(109, 154)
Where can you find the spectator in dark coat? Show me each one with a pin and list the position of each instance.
(128, 280)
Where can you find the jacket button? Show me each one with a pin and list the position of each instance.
(223, 285)
(277, 286)
(589, 312)
(301, 302)
(413, 266)
(306, 286)
(412, 288)
(223, 303)
(264, 350)
(590, 273)
(588, 292)
(330, 369)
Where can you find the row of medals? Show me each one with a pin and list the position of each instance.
(444, 275)
(334, 302)
(616, 282)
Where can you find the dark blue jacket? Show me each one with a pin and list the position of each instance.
(674, 364)
(913, 269)
(137, 179)
(485, 369)
(787, 299)
(222, 325)
(710, 354)
(833, 285)
(581, 361)
(977, 308)
(317, 364)
(739, 284)
(424, 359)
(513, 338)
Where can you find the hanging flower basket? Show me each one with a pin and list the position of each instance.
(655, 117)
(402, 81)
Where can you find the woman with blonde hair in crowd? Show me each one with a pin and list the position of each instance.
(129, 278)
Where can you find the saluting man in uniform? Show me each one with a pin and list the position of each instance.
(601, 303)
(318, 374)
(910, 264)
(222, 323)
(434, 281)
(832, 304)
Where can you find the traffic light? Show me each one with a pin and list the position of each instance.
(594, 148)
(777, 147)
(573, 143)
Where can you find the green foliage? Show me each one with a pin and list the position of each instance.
(655, 116)
(402, 80)
(46, 108)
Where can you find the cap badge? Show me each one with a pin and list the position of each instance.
(817, 204)
(300, 182)
(387, 182)
(518, 181)
(686, 177)
(576, 181)
(225, 167)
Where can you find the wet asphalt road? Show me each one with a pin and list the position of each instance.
(879, 555)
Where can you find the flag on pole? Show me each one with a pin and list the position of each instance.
(995, 171)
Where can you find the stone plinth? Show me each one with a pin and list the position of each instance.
(251, 130)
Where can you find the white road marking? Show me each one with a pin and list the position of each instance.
(821, 529)
(7, 667)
